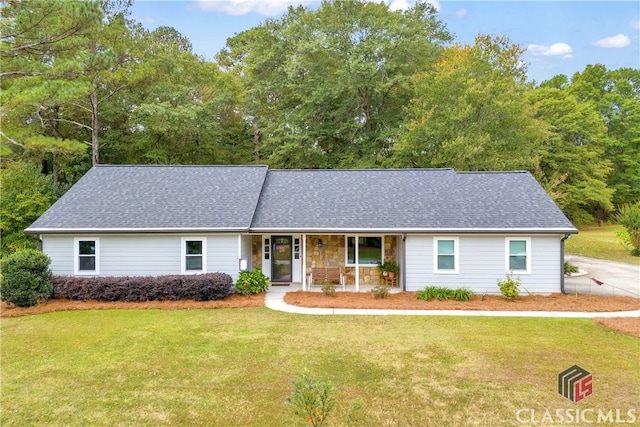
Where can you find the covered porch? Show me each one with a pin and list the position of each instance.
(292, 259)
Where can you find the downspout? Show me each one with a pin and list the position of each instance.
(565, 237)
(403, 274)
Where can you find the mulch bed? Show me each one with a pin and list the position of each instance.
(408, 301)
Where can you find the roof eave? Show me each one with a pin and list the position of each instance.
(346, 230)
(133, 230)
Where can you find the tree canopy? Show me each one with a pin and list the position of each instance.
(347, 84)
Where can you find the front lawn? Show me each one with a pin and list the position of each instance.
(601, 243)
(233, 367)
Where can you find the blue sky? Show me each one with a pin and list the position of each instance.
(561, 37)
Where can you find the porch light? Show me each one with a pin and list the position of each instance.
(319, 243)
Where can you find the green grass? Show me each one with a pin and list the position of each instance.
(234, 366)
(600, 242)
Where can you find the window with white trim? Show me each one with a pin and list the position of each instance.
(518, 251)
(194, 255)
(86, 256)
(369, 250)
(445, 259)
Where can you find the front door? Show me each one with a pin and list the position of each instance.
(281, 259)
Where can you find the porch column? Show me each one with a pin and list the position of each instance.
(304, 262)
(357, 279)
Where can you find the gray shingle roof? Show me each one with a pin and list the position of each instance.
(405, 200)
(251, 198)
(158, 197)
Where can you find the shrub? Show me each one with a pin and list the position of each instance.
(328, 288)
(629, 217)
(509, 287)
(26, 278)
(252, 282)
(441, 293)
(199, 287)
(380, 291)
(568, 268)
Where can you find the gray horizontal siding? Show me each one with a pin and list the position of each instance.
(482, 263)
(143, 255)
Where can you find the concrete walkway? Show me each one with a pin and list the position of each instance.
(274, 299)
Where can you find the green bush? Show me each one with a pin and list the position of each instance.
(509, 287)
(568, 268)
(629, 217)
(26, 278)
(441, 294)
(252, 282)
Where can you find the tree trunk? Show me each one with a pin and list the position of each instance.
(95, 148)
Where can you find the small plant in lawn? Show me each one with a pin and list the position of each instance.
(328, 288)
(380, 291)
(312, 399)
(509, 287)
(26, 278)
(252, 282)
(568, 268)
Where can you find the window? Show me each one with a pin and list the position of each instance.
(518, 255)
(86, 256)
(445, 258)
(369, 250)
(194, 258)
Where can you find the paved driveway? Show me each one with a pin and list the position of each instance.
(618, 278)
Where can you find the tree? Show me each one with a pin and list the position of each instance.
(469, 114)
(571, 166)
(326, 88)
(184, 112)
(26, 194)
(64, 62)
(616, 96)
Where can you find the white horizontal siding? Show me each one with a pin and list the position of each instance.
(143, 255)
(60, 250)
(482, 263)
(222, 254)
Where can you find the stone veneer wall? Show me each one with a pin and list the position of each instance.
(332, 254)
(256, 252)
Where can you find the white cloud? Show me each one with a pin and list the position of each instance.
(277, 7)
(243, 7)
(555, 49)
(621, 40)
(461, 13)
(635, 24)
(406, 4)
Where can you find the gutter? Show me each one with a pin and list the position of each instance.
(565, 237)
